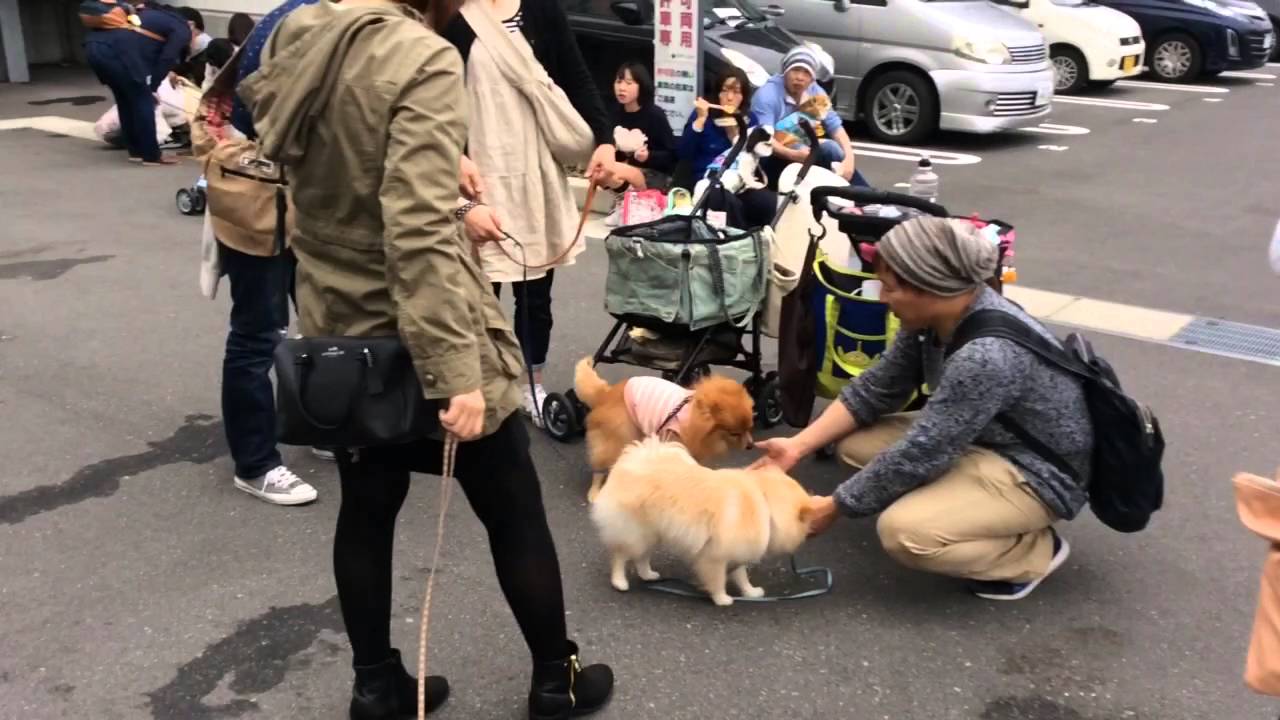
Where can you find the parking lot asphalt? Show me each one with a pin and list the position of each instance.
(136, 582)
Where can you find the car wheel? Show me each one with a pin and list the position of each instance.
(1175, 58)
(1070, 70)
(901, 107)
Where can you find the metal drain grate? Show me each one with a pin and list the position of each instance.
(1222, 337)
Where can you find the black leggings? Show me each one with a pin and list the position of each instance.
(497, 475)
(533, 323)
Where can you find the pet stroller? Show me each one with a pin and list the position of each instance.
(685, 296)
(833, 323)
(191, 200)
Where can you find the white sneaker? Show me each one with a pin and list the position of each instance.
(533, 402)
(279, 487)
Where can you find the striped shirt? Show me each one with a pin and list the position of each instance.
(650, 401)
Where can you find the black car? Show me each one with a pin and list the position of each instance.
(1188, 39)
(611, 32)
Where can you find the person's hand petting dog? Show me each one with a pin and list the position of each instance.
(825, 513)
(783, 453)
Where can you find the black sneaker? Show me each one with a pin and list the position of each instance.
(1001, 590)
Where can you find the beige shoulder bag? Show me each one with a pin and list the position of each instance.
(567, 135)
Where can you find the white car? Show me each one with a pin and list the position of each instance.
(1089, 44)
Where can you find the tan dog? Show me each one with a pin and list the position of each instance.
(712, 419)
(658, 496)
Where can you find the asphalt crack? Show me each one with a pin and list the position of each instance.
(198, 440)
(256, 656)
(40, 270)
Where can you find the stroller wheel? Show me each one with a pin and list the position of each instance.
(186, 202)
(580, 408)
(768, 400)
(200, 201)
(560, 417)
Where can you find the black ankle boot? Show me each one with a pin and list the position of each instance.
(564, 689)
(387, 691)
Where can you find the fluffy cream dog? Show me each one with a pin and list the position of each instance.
(658, 496)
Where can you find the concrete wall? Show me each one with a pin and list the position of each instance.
(51, 32)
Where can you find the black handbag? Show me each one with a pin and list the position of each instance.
(349, 392)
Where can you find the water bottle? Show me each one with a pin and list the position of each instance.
(924, 181)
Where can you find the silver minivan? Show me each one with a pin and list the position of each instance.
(909, 67)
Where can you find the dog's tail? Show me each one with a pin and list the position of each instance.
(588, 384)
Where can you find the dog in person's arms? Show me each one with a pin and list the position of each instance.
(711, 419)
(718, 521)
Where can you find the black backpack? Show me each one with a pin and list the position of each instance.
(1127, 484)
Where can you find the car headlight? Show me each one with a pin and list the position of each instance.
(754, 70)
(828, 63)
(1213, 7)
(989, 52)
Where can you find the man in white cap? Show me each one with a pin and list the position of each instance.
(782, 96)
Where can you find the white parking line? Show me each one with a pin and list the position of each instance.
(1170, 86)
(1212, 99)
(912, 154)
(1118, 104)
(1248, 75)
(1265, 84)
(1055, 148)
(53, 124)
(1149, 121)
(1056, 129)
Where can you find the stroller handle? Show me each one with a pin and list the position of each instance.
(863, 196)
(739, 145)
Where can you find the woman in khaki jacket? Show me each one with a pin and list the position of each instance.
(365, 105)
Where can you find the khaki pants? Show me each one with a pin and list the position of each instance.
(980, 520)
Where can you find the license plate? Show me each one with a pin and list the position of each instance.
(1129, 63)
(1043, 93)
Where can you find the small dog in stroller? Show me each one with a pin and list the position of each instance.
(711, 419)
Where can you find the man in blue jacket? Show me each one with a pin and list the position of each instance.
(781, 97)
(132, 63)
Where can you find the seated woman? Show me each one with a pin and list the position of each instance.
(705, 140)
(648, 166)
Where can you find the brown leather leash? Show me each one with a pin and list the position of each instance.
(446, 490)
(582, 224)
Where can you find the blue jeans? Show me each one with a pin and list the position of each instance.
(135, 102)
(261, 288)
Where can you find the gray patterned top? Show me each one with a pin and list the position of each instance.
(985, 377)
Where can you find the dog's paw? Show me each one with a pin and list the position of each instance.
(648, 575)
(620, 584)
(753, 592)
(723, 600)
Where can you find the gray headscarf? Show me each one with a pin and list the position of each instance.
(939, 255)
